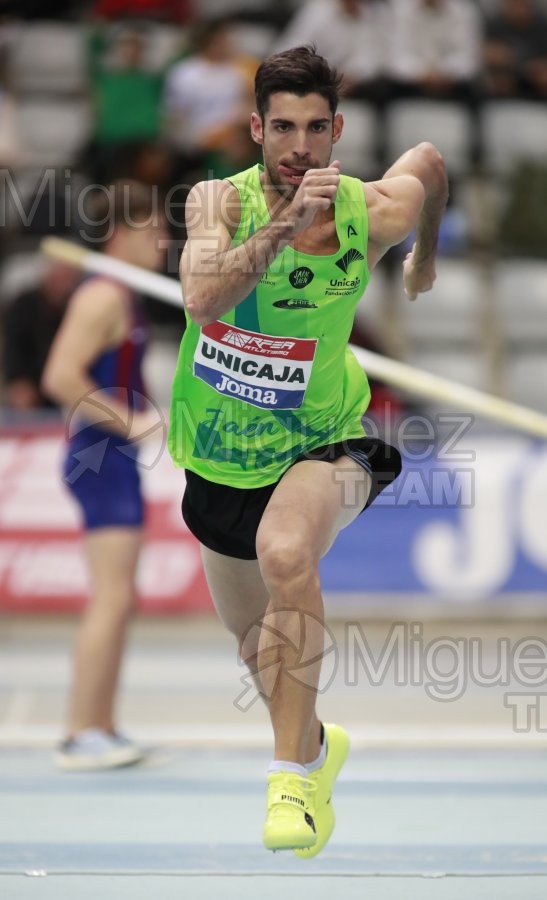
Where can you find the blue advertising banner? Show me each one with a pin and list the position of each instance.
(470, 527)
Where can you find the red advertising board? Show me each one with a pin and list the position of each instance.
(42, 566)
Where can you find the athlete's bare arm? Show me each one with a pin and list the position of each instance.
(412, 194)
(216, 276)
(96, 320)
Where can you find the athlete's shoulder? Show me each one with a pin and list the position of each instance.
(221, 188)
(353, 191)
(99, 298)
(211, 201)
(394, 205)
(247, 179)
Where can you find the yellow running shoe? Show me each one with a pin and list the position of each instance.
(289, 822)
(324, 778)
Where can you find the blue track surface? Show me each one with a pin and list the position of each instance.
(411, 824)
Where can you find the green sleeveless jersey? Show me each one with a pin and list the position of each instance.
(274, 378)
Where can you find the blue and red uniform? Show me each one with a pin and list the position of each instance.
(100, 466)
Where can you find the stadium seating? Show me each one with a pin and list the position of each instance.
(53, 131)
(512, 131)
(372, 309)
(357, 148)
(49, 57)
(254, 40)
(521, 299)
(164, 43)
(446, 124)
(445, 330)
(451, 310)
(20, 272)
(525, 379)
(468, 367)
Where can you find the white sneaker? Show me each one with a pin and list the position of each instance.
(93, 749)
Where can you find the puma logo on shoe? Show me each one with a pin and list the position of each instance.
(292, 799)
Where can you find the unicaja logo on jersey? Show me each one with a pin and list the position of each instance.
(346, 260)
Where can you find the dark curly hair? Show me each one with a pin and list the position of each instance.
(300, 71)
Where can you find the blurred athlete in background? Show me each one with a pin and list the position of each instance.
(95, 370)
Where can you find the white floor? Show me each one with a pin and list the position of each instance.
(184, 686)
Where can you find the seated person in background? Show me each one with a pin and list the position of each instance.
(351, 34)
(435, 49)
(126, 96)
(515, 51)
(209, 95)
(30, 325)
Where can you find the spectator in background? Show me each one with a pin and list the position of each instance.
(515, 51)
(351, 34)
(435, 49)
(127, 99)
(209, 96)
(30, 325)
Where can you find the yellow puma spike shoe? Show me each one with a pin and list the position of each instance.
(290, 818)
(337, 751)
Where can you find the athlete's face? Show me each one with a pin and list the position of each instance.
(297, 134)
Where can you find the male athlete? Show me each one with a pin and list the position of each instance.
(268, 401)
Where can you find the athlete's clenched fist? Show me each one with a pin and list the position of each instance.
(317, 191)
(418, 277)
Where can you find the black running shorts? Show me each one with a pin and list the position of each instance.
(226, 519)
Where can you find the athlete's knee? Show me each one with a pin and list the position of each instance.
(248, 648)
(285, 559)
(117, 601)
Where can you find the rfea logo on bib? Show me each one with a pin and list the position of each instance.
(264, 370)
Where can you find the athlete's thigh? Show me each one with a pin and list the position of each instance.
(237, 589)
(313, 501)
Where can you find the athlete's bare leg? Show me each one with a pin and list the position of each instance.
(241, 599)
(311, 503)
(112, 555)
